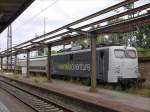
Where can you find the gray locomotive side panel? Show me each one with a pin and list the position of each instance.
(78, 64)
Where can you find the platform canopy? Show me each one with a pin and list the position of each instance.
(10, 10)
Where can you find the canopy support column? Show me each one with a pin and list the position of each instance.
(93, 64)
(7, 63)
(15, 64)
(1, 64)
(49, 76)
(28, 63)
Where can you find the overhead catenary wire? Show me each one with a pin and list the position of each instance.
(37, 14)
(108, 9)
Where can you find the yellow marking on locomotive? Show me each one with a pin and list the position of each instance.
(63, 66)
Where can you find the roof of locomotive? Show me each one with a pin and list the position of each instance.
(82, 50)
(99, 48)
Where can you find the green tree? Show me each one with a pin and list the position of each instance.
(102, 39)
(122, 38)
(117, 37)
(44, 51)
(84, 43)
(129, 7)
(53, 52)
(143, 37)
(41, 52)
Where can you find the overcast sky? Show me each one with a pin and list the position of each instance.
(56, 13)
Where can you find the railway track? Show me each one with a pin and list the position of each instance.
(42, 99)
(37, 103)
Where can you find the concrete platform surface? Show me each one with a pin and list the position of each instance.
(102, 97)
(130, 100)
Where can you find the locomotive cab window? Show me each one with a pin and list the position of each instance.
(119, 53)
(131, 54)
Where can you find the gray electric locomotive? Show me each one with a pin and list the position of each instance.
(114, 64)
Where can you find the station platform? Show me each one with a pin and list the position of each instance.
(107, 98)
(103, 97)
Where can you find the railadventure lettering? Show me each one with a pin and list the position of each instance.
(83, 67)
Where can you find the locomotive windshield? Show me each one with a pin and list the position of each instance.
(120, 53)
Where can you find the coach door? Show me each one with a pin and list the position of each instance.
(101, 65)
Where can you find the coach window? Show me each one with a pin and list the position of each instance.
(119, 53)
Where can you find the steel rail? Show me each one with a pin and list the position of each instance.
(101, 30)
(146, 6)
(79, 21)
(71, 103)
(133, 22)
(62, 101)
(36, 102)
(55, 43)
(104, 20)
(100, 21)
